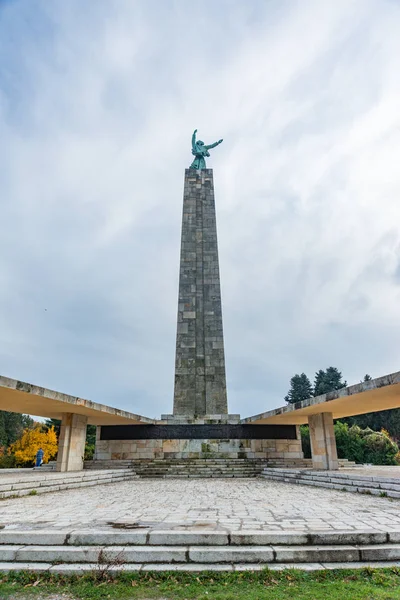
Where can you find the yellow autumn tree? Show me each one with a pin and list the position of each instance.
(26, 447)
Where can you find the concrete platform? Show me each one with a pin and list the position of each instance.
(242, 506)
(193, 525)
(382, 393)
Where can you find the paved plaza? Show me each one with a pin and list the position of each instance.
(202, 505)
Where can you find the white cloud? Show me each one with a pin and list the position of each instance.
(97, 105)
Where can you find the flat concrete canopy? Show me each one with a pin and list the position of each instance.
(20, 397)
(378, 394)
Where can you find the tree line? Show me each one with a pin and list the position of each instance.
(21, 437)
(368, 438)
(325, 381)
(331, 379)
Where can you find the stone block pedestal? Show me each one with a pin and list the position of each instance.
(262, 442)
(323, 442)
(71, 445)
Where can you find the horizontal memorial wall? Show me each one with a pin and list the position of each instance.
(198, 432)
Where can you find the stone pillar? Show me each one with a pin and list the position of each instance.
(71, 445)
(323, 443)
(200, 381)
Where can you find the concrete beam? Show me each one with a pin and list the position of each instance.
(378, 394)
(21, 397)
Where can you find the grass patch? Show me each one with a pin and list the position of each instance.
(371, 584)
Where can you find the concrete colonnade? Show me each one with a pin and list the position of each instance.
(71, 445)
(323, 442)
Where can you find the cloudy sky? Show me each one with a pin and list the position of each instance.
(98, 101)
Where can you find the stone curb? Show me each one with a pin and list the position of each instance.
(110, 555)
(224, 538)
(44, 484)
(77, 569)
(379, 487)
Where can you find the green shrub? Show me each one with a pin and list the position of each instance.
(305, 440)
(380, 449)
(350, 442)
(89, 451)
(360, 445)
(7, 461)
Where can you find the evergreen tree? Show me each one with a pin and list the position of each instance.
(319, 382)
(3, 434)
(56, 423)
(91, 434)
(11, 426)
(300, 389)
(27, 422)
(367, 377)
(327, 381)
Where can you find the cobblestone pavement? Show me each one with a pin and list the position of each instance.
(203, 504)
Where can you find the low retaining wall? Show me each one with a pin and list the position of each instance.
(206, 448)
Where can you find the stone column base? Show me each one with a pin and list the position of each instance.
(71, 445)
(323, 442)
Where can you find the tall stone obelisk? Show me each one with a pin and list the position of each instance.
(200, 380)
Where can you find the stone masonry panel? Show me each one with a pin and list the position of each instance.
(200, 380)
(206, 448)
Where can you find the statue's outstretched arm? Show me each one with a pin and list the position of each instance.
(213, 145)
(194, 140)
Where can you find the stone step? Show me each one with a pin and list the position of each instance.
(377, 486)
(194, 475)
(306, 463)
(145, 554)
(357, 481)
(148, 536)
(50, 466)
(13, 485)
(337, 477)
(209, 476)
(195, 468)
(82, 568)
(191, 470)
(183, 461)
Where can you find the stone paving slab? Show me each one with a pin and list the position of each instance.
(241, 506)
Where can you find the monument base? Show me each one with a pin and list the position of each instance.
(205, 420)
(214, 436)
(205, 448)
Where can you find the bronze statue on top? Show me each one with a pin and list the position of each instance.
(200, 150)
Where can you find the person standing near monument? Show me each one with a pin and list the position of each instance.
(39, 457)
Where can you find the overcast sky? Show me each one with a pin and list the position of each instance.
(98, 101)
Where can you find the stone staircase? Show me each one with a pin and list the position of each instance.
(13, 485)
(204, 467)
(349, 482)
(100, 465)
(305, 463)
(191, 468)
(50, 466)
(108, 550)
